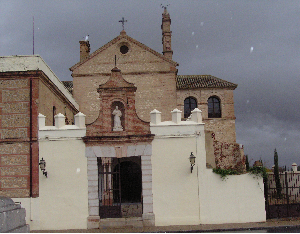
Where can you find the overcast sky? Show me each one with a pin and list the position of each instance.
(255, 44)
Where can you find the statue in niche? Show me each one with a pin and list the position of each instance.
(117, 119)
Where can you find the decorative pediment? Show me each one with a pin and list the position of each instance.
(117, 120)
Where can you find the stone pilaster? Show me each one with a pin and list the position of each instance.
(94, 218)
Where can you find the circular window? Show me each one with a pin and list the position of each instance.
(124, 49)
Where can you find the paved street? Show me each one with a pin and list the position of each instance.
(273, 225)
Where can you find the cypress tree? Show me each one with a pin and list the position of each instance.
(276, 174)
(247, 163)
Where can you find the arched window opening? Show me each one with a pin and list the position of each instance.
(190, 103)
(214, 107)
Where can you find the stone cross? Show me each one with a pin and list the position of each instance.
(123, 21)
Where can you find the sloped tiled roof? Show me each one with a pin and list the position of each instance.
(68, 85)
(202, 81)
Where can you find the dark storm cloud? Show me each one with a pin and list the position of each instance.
(255, 44)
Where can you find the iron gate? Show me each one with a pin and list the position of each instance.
(284, 202)
(109, 189)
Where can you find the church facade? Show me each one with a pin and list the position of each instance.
(127, 77)
(160, 87)
(127, 160)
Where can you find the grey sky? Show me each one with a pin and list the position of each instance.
(255, 44)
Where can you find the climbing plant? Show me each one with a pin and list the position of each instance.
(225, 172)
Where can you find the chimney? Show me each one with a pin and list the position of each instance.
(166, 34)
(84, 50)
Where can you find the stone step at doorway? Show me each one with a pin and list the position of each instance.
(121, 222)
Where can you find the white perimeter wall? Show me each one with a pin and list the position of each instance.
(237, 199)
(63, 198)
(63, 195)
(175, 188)
(202, 197)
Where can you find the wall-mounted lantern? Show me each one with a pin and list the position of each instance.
(192, 161)
(43, 167)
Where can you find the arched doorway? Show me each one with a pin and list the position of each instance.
(120, 187)
(131, 182)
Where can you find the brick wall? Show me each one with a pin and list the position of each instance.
(49, 97)
(19, 150)
(15, 126)
(229, 156)
(153, 76)
(14, 169)
(224, 128)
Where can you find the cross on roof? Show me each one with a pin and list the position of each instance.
(123, 21)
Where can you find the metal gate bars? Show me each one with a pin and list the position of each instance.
(109, 189)
(283, 201)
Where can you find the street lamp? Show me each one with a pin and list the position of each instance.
(192, 161)
(43, 167)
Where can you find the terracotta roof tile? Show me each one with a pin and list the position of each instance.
(202, 81)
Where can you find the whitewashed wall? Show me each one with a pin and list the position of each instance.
(175, 188)
(201, 197)
(63, 196)
(238, 199)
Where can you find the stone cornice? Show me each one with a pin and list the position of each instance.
(123, 73)
(125, 138)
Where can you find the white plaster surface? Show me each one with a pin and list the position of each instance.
(201, 197)
(63, 196)
(175, 188)
(238, 199)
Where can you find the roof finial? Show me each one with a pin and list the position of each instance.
(123, 21)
